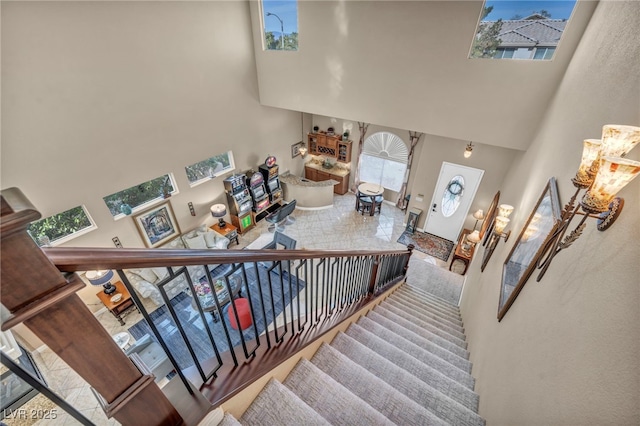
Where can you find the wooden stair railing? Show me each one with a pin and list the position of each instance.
(363, 275)
(38, 295)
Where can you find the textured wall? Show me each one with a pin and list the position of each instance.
(101, 96)
(404, 64)
(567, 350)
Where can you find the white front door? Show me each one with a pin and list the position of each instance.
(452, 197)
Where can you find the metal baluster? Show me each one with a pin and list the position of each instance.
(154, 329)
(264, 311)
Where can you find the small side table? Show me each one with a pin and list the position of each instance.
(412, 221)
(230, 232)
(461, 254)
(121, 308)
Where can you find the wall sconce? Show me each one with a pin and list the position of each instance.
(478, 216)
(219, 211)
(603, 172)
(468, 150)
(499, 224)
(303, 151)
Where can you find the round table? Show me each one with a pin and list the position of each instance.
(372, 190)
(122, 339)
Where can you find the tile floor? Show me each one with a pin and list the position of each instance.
(338, 228)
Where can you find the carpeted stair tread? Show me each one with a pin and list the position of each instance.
(419, 352)
(423, 330)
(417, 305)
(278, 405)
(437, 380)
(444, 302)
(422, 342)
(441, 405)
(433, 309)
(227, 420)
(436, 306)
(397, 407)
(430, 325)
(419, 314)
(433, 300)
(452, 305)
(334, 402)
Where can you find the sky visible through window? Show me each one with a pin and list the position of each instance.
(283, 17)
(509, 9)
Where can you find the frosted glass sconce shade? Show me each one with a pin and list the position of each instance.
(501, 223)
(618, 140)
(586, 171)
(505, 210)
(613, 175)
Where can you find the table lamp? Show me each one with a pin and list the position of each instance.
(219, 211)
(102, 278)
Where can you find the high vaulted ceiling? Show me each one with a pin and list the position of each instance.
(405, 64)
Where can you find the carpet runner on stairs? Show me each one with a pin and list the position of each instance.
(403, 363)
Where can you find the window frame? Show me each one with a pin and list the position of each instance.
(149, 203)
(232, 167)
(54, 243)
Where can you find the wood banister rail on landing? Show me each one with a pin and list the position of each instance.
(34, 290)
(69, 259)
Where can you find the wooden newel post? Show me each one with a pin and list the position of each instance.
(410, 248)
(38, 295)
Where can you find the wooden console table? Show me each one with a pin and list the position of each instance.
(461, 254)
(121, 308)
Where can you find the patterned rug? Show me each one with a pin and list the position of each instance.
(275, 301)
(428, 243)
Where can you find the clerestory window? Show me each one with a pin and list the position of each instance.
(279, 24)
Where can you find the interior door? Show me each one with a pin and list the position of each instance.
(452, 197)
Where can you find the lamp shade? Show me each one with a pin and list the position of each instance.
(479, 215)
(218, 210)
(474, 237)
(586, 171)
(618, 140)
(505, 210)
(501, 223)
(303, 151)
(99, 277)
(613, 175)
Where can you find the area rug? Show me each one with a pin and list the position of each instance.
(428, 243)
(191, 321)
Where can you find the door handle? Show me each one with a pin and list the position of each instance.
(433, 208)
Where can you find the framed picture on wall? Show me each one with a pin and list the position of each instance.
(295, 149)
(523, 258)
(157, 225)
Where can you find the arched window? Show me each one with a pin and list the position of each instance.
(384, 160)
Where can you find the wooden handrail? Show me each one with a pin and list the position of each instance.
(85, 259)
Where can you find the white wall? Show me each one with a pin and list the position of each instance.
(404, 64)
(566, 352)
(101, 96)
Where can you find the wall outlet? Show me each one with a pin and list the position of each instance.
(420, 197)
(117, 242)
(191, 209)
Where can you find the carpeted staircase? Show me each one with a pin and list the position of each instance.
(403, 363)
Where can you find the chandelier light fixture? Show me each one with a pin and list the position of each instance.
(603, 172)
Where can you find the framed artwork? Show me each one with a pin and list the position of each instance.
(157, 225)
(295, 149)
(523, 258)
(487, 225)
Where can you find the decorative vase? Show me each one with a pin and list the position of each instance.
(125, 209)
